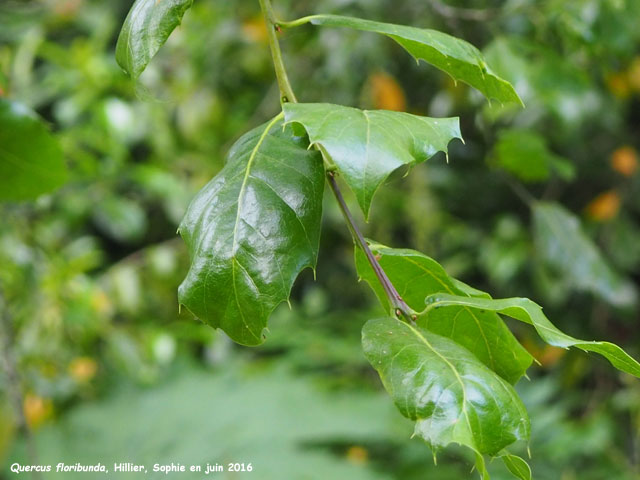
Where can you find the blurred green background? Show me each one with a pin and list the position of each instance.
(106, 369)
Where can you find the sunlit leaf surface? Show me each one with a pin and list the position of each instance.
(367, 145)
(251, 230)
(446, 390)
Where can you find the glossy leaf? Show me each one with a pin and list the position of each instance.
(31, 161)
(452, 55)
(145, 30)
(367, 145)
(416, 276)
(529, 312)
(563, 246)
(251, 230)
(452, 397)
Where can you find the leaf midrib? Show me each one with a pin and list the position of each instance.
(234, 247)
(254, 153)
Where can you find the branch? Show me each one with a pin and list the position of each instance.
(286, 92)
(400, 308)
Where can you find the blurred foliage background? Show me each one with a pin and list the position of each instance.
(541, 202)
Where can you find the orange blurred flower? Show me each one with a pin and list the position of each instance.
(36, 410)
(546, 355)
(625, 160)
(255, 30)
(387, 93)
(550, 355)
(604, 207)
(83, 369)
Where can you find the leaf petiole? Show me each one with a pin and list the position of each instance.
(400, 308)
(296, 23)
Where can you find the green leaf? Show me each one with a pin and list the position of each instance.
(529, 312)
(416, 276)
(145, 30)
(31, 161)
(524, 154)
(443, 387)
(517, 466)
(367, 145)
(251, 230)
(563, 246)
(452, 55)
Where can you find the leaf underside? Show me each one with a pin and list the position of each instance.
(251, 230)
(529, 312)
(368, 145)
(458, 58)
(484, 333)
(31, 160)
(452, 397)
(146, 28)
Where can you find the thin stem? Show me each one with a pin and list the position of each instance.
(400, 308)
(286, 92)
